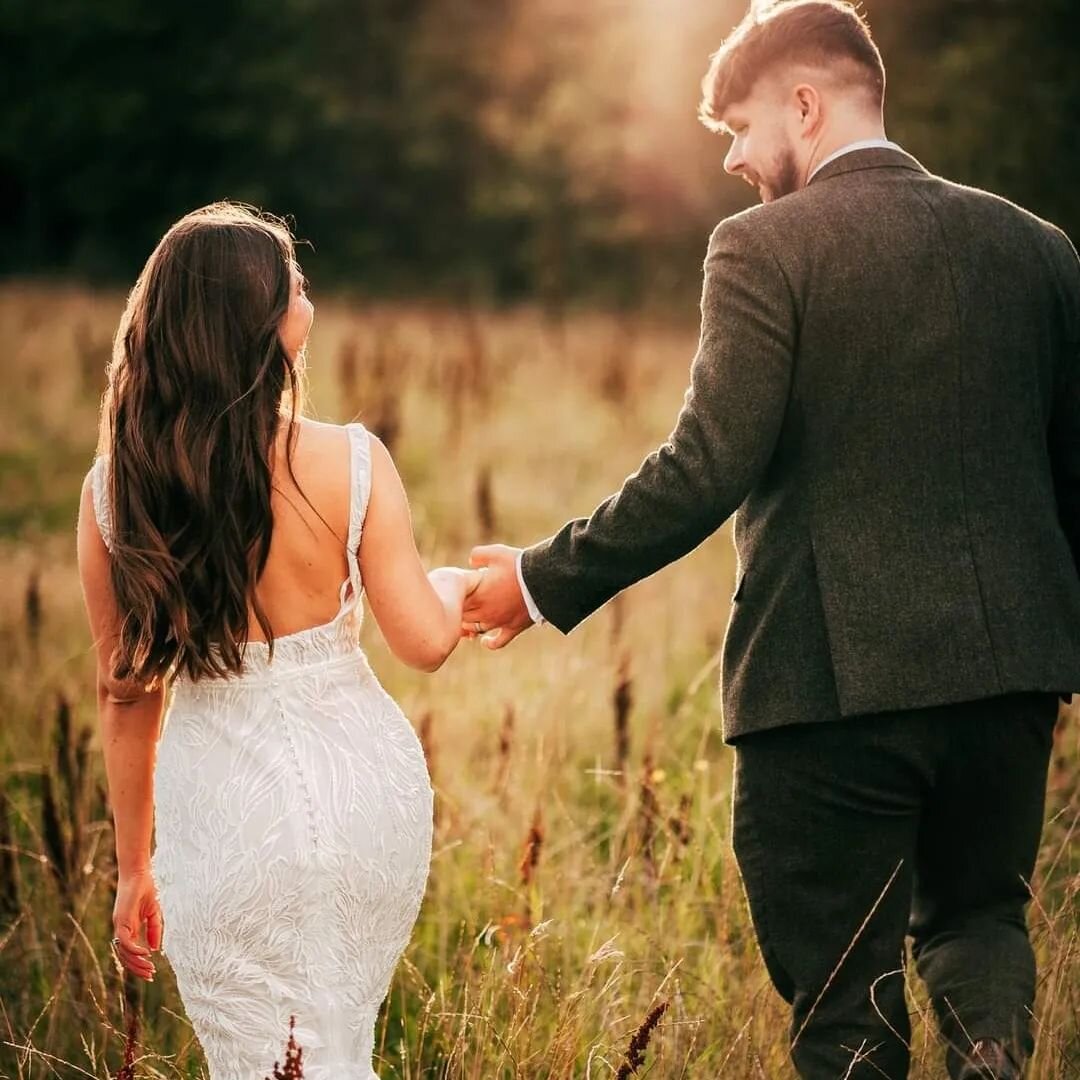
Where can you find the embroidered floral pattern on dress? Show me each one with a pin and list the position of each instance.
(293, 821)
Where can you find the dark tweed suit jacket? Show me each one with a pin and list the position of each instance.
(886, 393)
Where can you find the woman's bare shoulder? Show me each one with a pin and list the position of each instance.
(308, 425)
(320, 457)
(314, 439)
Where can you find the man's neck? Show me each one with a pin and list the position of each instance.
(836, 141)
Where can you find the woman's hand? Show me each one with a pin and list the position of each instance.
(136, 905)
(454, 585)
(473, 578)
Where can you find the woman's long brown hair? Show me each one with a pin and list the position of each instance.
(198, 384)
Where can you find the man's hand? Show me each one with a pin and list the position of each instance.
(496, 604)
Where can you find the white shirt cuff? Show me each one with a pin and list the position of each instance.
(534, 611)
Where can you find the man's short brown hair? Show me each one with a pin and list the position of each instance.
(821, 33)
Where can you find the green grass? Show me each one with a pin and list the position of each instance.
(635, 898)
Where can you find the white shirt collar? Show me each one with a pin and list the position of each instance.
(862, 144)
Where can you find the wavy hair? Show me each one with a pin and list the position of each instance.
(198, 384)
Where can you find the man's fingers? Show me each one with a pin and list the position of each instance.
(481, 555)
(497, 600)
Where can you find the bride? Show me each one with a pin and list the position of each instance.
(224, 544)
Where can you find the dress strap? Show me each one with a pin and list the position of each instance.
(99, 484)
(359, 494)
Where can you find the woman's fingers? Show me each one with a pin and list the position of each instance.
(473, 579)
(136, 905)
(501, 637)
(134, 957)
(126, 938)
(138, 966)
(135, 963)
(154, 928)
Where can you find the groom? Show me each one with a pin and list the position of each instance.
(886, 393)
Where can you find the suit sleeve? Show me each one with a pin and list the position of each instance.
(727, 428)
(1064, 441)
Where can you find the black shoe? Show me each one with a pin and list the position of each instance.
(988, 1059)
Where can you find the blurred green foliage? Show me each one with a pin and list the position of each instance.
(475, 148)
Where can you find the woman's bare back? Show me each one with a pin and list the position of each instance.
(300, 584)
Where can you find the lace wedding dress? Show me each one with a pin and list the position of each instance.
(293, 839)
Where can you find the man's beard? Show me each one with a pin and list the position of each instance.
(784, 178)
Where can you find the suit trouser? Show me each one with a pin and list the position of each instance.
(852, 834)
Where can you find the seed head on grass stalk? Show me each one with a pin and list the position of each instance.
(485, 505)
(52, 828)
(34, 609)
(10, 882)
(387, 423)
(622, 701)
(67, 798)
(648, 815)
(615, 380)
(530, 859)
(639, 1043)
(388, 371)
(294, 1058)
(127, 1070)
(65, 744)
(679, 823)
(530, 855)
(506, 745)
(82, 786)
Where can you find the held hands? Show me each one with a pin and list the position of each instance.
(454, 585)
(484, 601)
(495, 609)
(136, 904)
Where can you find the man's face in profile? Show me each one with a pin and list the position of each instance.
(761, 151)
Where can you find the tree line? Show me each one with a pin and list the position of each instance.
(466, 147)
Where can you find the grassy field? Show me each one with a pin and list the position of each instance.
(583, 891)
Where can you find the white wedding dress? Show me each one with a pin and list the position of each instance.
(293, 839)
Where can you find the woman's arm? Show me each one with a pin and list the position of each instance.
(418, 613)
(129, 719)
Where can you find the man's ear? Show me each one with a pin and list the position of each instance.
(810, 108)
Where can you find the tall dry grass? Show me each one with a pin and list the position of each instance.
(584, 916)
